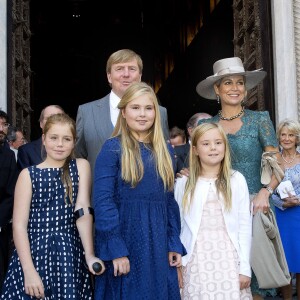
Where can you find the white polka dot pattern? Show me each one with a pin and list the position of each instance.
(55, 245)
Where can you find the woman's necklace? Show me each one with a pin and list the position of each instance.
(230, 118)
(289, 162)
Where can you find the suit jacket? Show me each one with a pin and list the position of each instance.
(94, 127)
(8, 178)
(30, 154)
(238, 220)
(182, 153)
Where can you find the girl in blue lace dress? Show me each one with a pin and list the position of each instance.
(249, 133)
(287, 205)
(48, 262)
(136, 216)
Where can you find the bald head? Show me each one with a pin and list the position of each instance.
(49, 111)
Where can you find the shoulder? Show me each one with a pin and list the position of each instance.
(113, 143)
(30, 145)
(257, 114)
(237, 176)
(180, 182)
(89, 105)
(82, 164)
(214, 119)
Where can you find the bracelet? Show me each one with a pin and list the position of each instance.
(269, 189)
(80, 212)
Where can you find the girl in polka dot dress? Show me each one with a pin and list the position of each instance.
(48, 262)
(216, 221)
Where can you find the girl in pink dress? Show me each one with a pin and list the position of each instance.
(216, 221)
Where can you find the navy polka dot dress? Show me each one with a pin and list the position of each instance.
(56, 248)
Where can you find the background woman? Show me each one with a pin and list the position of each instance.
(250, 133)
(287, 208)
(137, 217)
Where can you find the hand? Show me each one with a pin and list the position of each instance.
(33, 284)
(291, 201)
(90, 260)
(261, 201)
(183, 172)
(244, 281)
(121, 266)
(180, 277)
(175, 259)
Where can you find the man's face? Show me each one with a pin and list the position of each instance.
(20, 140)
(3, 129)
(122, 75)
(49, 111)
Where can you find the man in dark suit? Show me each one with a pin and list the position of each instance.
(32, 153)
(96, 120)
(8, 177)
(182, 151)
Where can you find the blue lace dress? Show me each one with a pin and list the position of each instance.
(288, 221)
(55, 245)
(246, 148)
(142, 223)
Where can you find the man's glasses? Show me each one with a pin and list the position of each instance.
(4, 125)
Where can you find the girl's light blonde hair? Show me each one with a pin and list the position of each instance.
(65, 176)
(223, 179)
(132, 164)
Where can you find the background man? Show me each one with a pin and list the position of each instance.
(15, 139)
(32, 153)
(8, 177)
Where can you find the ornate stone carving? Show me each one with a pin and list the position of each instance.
(19, 83)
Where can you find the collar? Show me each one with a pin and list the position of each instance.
(114, 99)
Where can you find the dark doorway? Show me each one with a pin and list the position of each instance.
(72, 40)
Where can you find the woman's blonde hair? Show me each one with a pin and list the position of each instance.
(65, 175)
(132, 164)
(292, 126)
(223, 178)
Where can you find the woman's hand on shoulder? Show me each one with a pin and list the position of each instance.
(121, 266)
(93, 259)
(33, 284)
(183, 172)
(244, 281)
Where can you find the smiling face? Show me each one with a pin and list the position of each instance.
(122, 75)
(59, 142)
(210, 148)
(231, 90)
(287, 139)
(140, 115)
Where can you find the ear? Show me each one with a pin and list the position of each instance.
(108, 77)
(216, 89)
(123, 113)
(195, 150)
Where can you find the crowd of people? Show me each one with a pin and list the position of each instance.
(117, 206)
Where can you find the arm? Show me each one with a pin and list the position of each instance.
(22, 200)
(23, 159)
(85, 223)
(80, 147)
(109, 241)
(245, 232)
(261, 201)
(8, 182)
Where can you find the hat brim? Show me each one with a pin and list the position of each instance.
(205, 88)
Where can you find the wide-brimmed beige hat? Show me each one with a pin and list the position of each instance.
(228, 67)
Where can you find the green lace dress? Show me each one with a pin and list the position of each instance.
(246, 148)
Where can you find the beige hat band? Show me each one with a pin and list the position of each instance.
(230, 70)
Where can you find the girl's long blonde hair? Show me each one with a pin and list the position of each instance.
(132, 164)
(223, 179)
(65, 176)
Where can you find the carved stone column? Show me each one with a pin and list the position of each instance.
(19, 83)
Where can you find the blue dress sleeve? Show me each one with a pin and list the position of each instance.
(174, 223)
(277, 201)
(109, 242)
(267, 135)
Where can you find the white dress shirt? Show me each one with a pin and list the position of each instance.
(113, 107)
